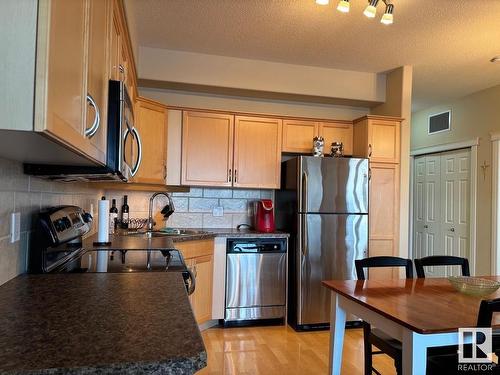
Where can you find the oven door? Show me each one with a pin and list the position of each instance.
(131, 145)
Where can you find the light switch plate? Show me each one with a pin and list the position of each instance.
(15, 227)
(218, 211)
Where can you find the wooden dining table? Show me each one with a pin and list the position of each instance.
(421, 313)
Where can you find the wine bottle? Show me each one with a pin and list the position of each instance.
(125, 212)
(113, 216)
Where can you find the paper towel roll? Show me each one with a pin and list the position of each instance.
(103, 222)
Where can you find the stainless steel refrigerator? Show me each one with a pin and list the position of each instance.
(323, 204)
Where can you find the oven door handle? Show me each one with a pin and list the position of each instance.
(192, 283)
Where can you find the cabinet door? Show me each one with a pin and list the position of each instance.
(97, 76)
(207, 149)
(114, 50)
(151, 123)
(384, 215)
(383, 141)
(336, 132)
(257, 152)
(201, 299)
(60, 92)
(298, 135)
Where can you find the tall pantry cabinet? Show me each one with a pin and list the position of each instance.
(378, 139)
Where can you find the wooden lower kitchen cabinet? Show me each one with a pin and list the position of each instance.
(151, 123)
(384, 215)
(199, 256)
(257, 152)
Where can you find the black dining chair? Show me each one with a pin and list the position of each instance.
(447, 364)
(385, 343)
(441, 260)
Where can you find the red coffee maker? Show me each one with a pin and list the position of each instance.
(264, 216)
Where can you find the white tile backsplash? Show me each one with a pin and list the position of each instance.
(194, 209)
(27, 195)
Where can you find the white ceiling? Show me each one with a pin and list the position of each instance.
(449, 42)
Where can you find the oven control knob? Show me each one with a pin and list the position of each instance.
(59, 225)
(87, 218)
(66, 222)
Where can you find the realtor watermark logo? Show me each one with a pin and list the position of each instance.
(475, 349)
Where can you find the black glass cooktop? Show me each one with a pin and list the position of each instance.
(120, 261)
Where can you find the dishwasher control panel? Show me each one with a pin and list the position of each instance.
(242, 245)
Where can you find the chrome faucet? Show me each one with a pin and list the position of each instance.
(166, 213)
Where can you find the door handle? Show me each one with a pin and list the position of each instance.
(304, 236)
(426, 226)
(304, 192)
(452, 229)
(90, 132)
(137, 137)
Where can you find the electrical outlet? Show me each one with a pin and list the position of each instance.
(218, 211)
(15, 227)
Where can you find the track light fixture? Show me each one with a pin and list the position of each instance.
(370, 10)
(343, 6)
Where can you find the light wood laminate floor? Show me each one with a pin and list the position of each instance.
(281, 350)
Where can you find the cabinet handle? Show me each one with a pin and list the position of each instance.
(369, 150)
(229, 176)
(165, 173)
(235, 175)
(90, 132)
(369, 174)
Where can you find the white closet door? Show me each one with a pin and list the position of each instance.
(433, 210)
(455, 203)
(419, 224)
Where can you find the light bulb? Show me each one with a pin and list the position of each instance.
(371, 9)
(388, 17)
(322, 2)
(343, 6)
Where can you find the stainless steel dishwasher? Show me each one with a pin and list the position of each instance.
(255, 279)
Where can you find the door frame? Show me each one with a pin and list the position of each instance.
(472, 145)
(495, 203)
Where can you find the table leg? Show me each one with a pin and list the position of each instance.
(414, 353)
(337, 329)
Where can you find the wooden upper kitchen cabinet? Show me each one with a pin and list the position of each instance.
(207, 149)
(298, 135)
(151, 124)
(72, 42)
(97, 73)
(377, 138)
(337, 132)
(257, 152)
(199, 258)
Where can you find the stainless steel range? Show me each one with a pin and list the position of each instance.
(57, 247)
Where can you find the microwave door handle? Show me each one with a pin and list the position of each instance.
(90, 132)
(135, 169)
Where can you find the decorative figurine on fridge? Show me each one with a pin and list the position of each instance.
(318, 146)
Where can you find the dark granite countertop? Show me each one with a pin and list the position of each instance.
(138, 323)
(230, 233)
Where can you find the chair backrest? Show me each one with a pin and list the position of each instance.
(383, 261)
(486, 310)
(441, 260)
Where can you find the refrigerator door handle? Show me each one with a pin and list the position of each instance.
(303, 197)
(303, 245)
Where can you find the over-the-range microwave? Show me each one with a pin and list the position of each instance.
(123, 152)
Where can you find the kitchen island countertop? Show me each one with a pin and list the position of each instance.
(98, 323)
